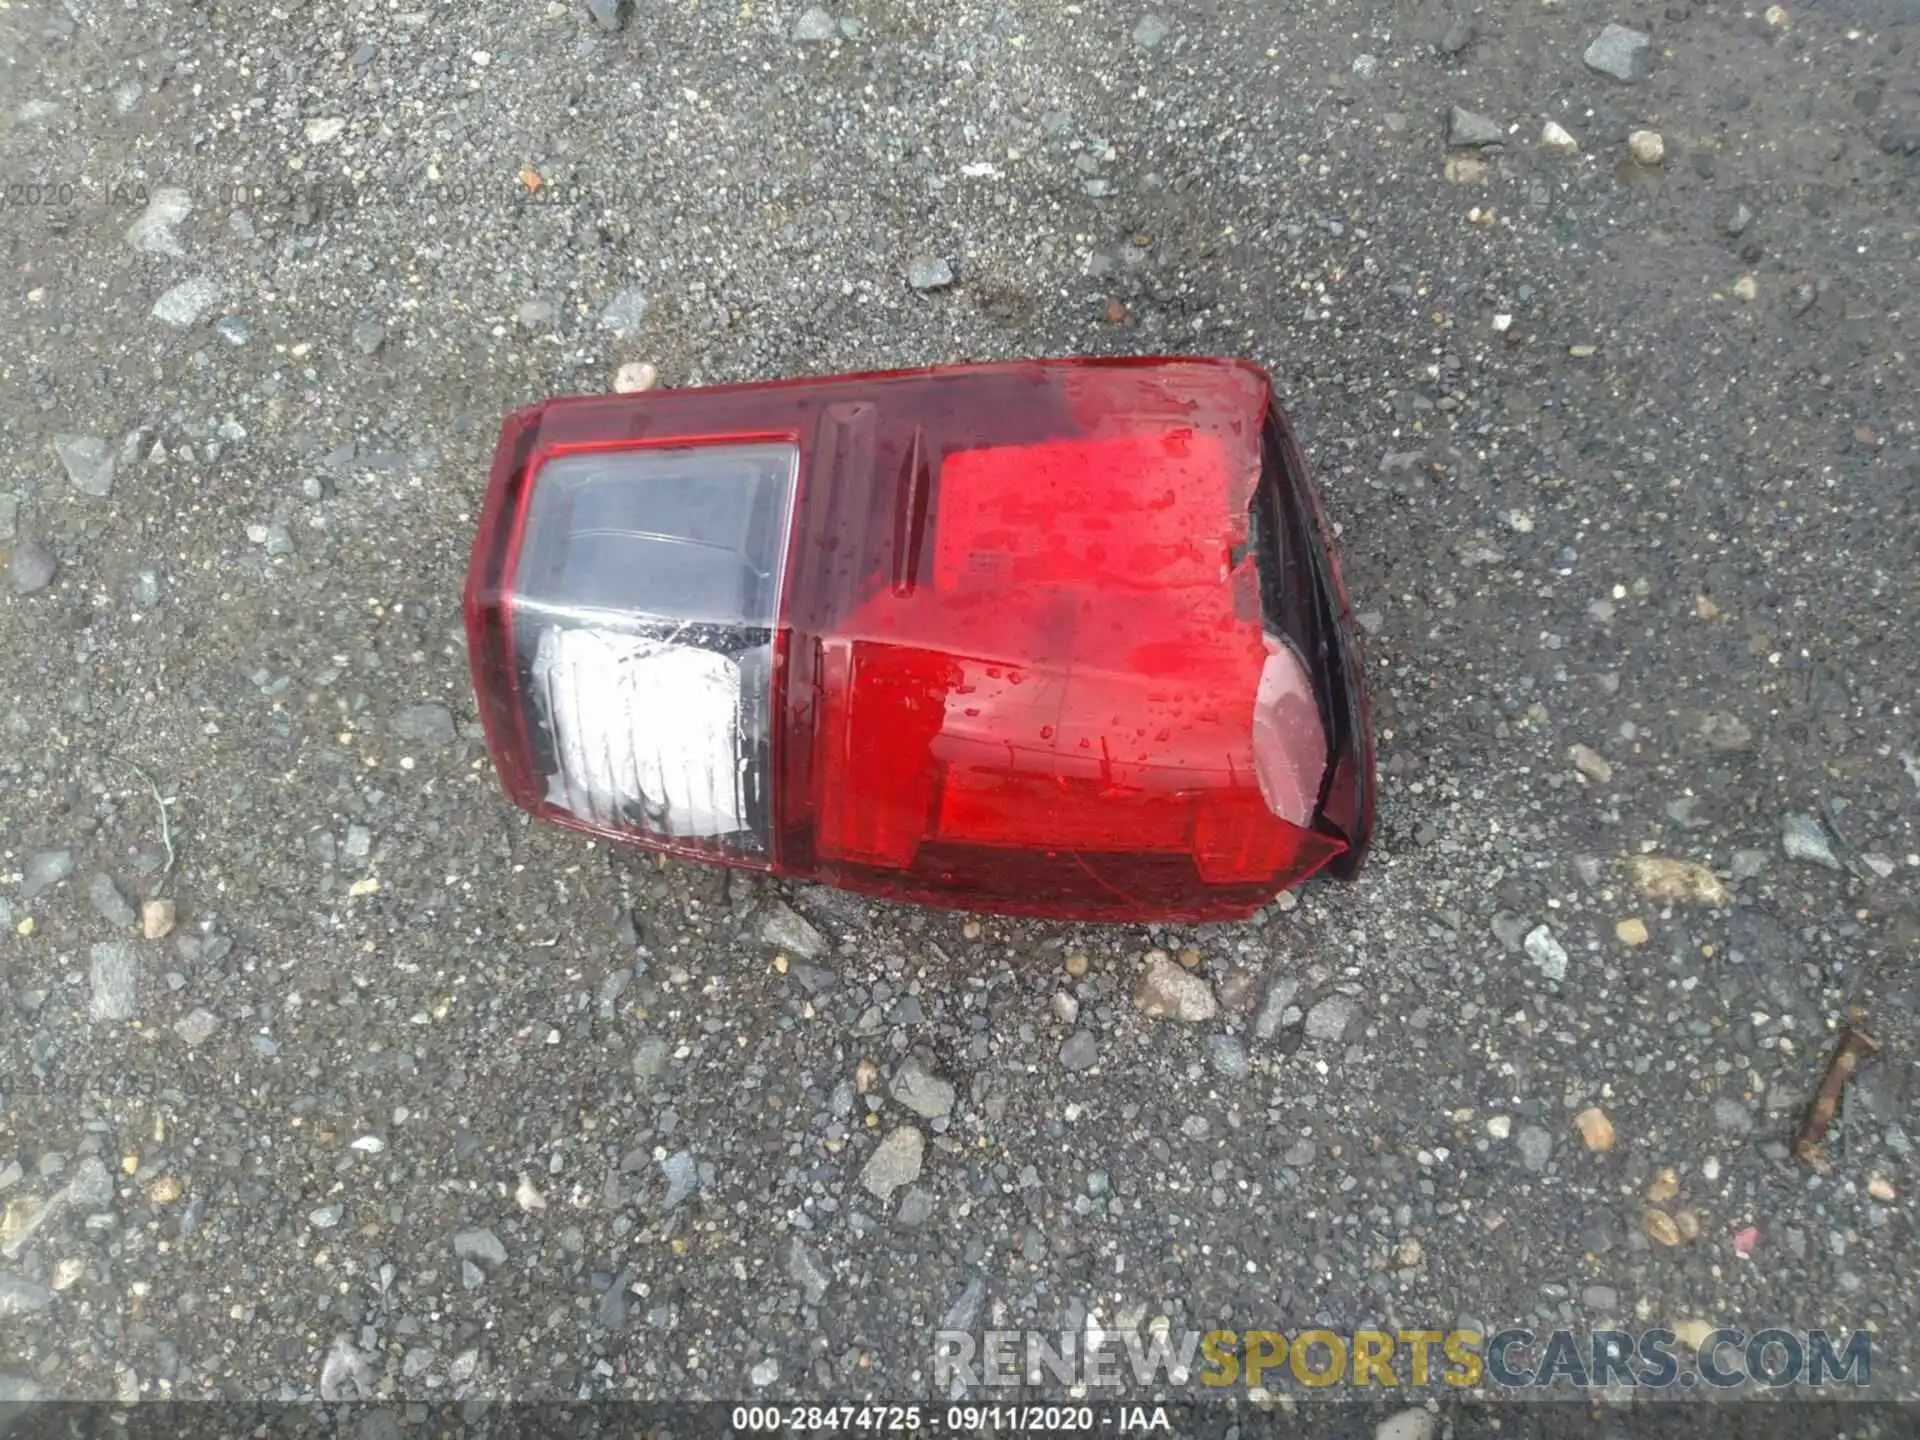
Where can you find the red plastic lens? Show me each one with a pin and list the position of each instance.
(1059, 638)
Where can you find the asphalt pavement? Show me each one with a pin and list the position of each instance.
(397, 1093)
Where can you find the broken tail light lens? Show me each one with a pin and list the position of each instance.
(1058, 638)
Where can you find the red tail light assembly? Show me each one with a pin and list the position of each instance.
(1061, 638)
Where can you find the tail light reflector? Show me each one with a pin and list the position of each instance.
(1059, 638)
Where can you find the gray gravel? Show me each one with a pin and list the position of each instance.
(783, 928)
(22, 1297)
(156, 231)
(918, 1087)
(481, 1246)
(1803, 837)
(928, 272)
(88, 461)
(1620, 457)
(107, 901)
(1165, 989)
(895, 1161)
(182, 305)
(815, 24)
(1080, 1051)
(1620, 52)
(31, 568)
(607, 14)
(1329, 1019)
(1467, 129)
(115, 969)
(1536, 1147)
(1546, 952)
(43, 870)
(196, 1027)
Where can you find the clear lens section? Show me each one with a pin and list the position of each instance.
(1289, 743)
(644, 605)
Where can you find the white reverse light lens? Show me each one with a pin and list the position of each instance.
(642, 726)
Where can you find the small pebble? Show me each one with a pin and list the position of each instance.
(153, 232)
(1235, 989)
(196, 1027)
(368, 337)
(1803, 837)
(1591, 763)
(1620, 53)
(1596, 1129)
(1631, 932)
(918, 1087)
(1164, 989)
(928, 272)
(183, 305)
(20, 1296)
(1150, 31)
(1227, 1056)
(894, 1163)
(814, 25)
(1730, 1115)
(635, 376)
(43, 870)
(107, 901)
(1660, 1227)
(1647, 148)
(1536, 1147)
(89, 462)
(1328, 1020)
(1556, 140)
(1547, 953)
(623, 314)
(115, 972)
(607, 14)
(1080, 1051)
(481, 1246)
(785, 929)
(1468, 130)
(31, 568)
